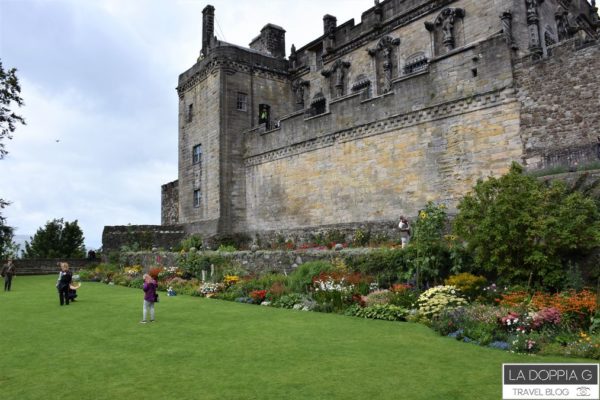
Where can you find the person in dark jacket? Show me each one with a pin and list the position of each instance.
(63, 283)
(150, 297)
(8, 271)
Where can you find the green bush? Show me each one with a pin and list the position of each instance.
(226, 248)
(288, 300)
(301, 279)
(386, 265)
(194, 241)
(193, 263)
(387, 312)
(468, 284)
(522, 230)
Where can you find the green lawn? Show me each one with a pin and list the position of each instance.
(210, 349)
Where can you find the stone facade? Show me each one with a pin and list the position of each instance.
(370, 121)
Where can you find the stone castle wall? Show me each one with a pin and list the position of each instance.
(142, 236)
(170, 203)
(560, 103)
(415, 109)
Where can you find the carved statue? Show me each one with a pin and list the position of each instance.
(447, 29)
(293, 57)
(446, 22)
(337, 68)
(298, 88)
(385, 48)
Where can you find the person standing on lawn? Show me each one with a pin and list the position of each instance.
(63, 283)
(8, 271)
(150, 297)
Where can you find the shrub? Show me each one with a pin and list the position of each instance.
(302, 277)
(258, 296)
(194, 241)
(387, 312)
(288, 300)
(433, 301)
(386, 265)
(193, 263)
(361, 238)
(520, 229)
(226, 248)
(378, 297)
(468, 284)
(403, 295)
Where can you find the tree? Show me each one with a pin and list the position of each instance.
(521, 230)
(9, 93)
(58, 239)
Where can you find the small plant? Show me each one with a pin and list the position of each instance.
(361, 238)
(468, 284)
(258, 296)
(194, 241)
(435, 300)
(226, 248)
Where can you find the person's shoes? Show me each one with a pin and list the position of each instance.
(151, 320)
(143, 321)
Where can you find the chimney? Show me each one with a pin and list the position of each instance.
(208, 28)
(271, 41)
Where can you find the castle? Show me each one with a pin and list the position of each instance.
(371, 121)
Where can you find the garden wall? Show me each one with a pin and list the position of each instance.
(48, 266)
(252, 261)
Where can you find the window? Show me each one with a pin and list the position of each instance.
(190, 113)
(197, 198)
(197, 154)
(242, 101)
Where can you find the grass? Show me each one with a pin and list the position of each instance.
(210, 349)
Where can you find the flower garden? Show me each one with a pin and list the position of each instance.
(514, 270)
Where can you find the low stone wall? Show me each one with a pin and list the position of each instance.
(48, 266)
(256, 262)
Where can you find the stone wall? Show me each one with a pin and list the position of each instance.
(48, 266)
(559, 98)
(169, 203)
(141, 236)
(261, 261)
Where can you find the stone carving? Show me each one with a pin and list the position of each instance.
(533, 26)
(563, 26)
(446, 22)
(338, 72)
(329, 26)
(298, 87)
(506, 18)
(385, 49)
(293, 58)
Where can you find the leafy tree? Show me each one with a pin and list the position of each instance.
(521, 230)
(58, 239)
(6, 238)
(9, 93)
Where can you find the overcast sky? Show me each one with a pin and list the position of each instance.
(98, 78)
